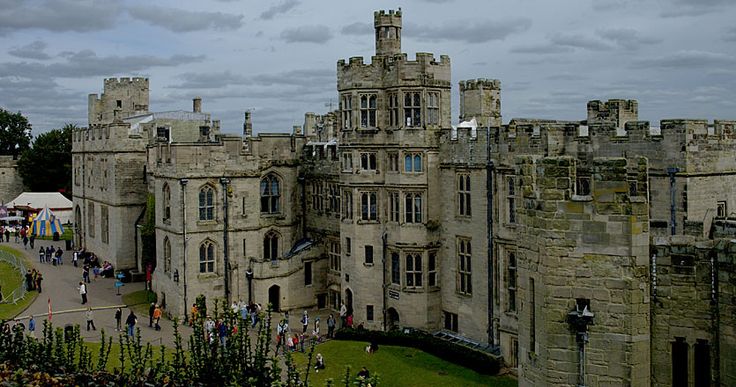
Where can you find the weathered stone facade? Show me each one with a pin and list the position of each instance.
(11, 184)
(492, 233)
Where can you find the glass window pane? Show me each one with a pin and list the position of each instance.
(417, 163)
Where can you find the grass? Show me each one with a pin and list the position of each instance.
(395, 366)
(139, 301)
(10, 279)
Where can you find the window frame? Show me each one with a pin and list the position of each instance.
(464, 266)
(166, 194)
(206, 203)
(396, 268)
(368, 162)
(413, 162)
(412, 109)
(368, 105)
(512, 278)
(369, 206)
(271, 246)
(413, 270)
(270, 199)
(207, 258)
(394, 206)
(464, 206)
(414, 207)
(433, 108)
(346, 110)
(335, 256)
(511, 199)
(167, 255)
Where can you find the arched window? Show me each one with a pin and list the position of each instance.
(207, 203)
(271, 246)
(270, 195)
(167, 255)
(207, 257)
(166, 193)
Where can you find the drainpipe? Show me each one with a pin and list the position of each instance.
(671, 171)
(303, 199)
(715, 317)
(384, 241)
(226, 248)
(183, 183)
(489, 231)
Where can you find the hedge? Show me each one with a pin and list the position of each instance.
(481, 362)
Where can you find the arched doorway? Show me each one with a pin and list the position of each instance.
(77, 227)
(392, 319)
(349, 301)
(274, 297)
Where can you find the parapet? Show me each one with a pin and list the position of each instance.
(387, 18)
(125, 81)
(618, 111)
(475, 84)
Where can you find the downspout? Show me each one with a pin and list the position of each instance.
(226, 248)
(183, 183)
(489, 231)
(135, 237)
(671, 171)
(384, 241)
(715, 318)
(303, 204)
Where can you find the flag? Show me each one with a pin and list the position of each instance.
(49, 309)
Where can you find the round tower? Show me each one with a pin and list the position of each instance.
(388, 32)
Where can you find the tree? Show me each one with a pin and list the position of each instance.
(15, 133)
(47, 166)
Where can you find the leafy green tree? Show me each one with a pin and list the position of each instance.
(47, 165)
(15, 133)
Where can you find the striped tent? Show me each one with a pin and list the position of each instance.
(46, 224)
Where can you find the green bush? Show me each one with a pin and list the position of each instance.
(481, 362)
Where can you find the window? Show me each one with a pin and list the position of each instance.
(582, 185)
(532, 317)
(167, 255)
(207, 257)
(721, 210)
(450, 321)
(245, 250)
(393, 110)
(413, 162)
(368, 111)
(413, 270)
(464, 254)
(511, 200)
(413, 208)
(514, 353)
(104, 225)
(463, 195)
(335, 264)
(347, 162)
(163, 134)
(395, 268)
(413, 109)
(206, 203)
(680, 363)
(393, 161)
(346, 108)
(433, 108)
(368, 255)
(348, 246)
(368, 206)
(333, 199)
(270, 195)
(307, 273)
(271, 246)
(369, 312)
(347, 202)
(166, 193)
(317, 199)
(702, 363)
(511, 281)
(91, 223)
(393, 206)
(368, 161)
(432, 269)
(119, 103)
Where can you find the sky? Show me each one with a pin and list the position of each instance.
(278, 58)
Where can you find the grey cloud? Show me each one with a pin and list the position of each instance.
(357, 28)
(303, 77)
(209, 80)
(579, 41)
(280, 8)
(627, 38)
(317, 79)
(307, 34)
(609, 5)
(34, 50)
(687, 59)
(681, 8)
(178, 20)
(58, 16)
(468, 31)
(730, 35)
(541, 49)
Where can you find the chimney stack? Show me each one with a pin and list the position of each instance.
(197, 105)
(248, 125)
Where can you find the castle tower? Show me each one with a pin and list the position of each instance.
(388, 32)
(481, 98)
(122, 97)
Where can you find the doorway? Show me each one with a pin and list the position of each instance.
(392, 319)
(274, 297)
(349, 301)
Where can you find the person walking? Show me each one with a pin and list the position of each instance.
(41, 255)
(31, 240)
(305, 321)
(85, 273)
(157, 317)
(130, 322)
(29, 281)
(83, 292)
(118, 317)
(90, 320)
(39, 278)
(331, 326)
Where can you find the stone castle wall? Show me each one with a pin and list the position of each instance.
(11, 184)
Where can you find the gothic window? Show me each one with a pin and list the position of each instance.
(368, 161)
(395, 268)
(511, 197)
(393, 161)
(104, 225)
(413, 109)
(413, 162)
(346, 108)
(166, 193)
(511, 281)
(271, 246)
(347, 203)
(207, 257)
(91, 223)
(333, 199)
(463, 195)
(207, 203)
(317, 196)
(347, 162)
(167, 255)
(335, 264)
(433, 108)
(270, 195)
(413, 208)
(393, 110)
(464, 256)
(413, 270)
(393, 206)
(368, 111)
(432, 269)
(368, 202)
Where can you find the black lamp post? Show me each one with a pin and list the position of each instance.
(579, 321)
(249, 276)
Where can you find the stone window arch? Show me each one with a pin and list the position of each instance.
(167, 255)
(271, 245)
(207, 203)
(270, 194)
(207, 257)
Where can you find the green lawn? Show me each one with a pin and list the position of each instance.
(395, 366)
(139, 301)
(10, 279)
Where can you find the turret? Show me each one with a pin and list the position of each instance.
(388, 32)
(481, 98)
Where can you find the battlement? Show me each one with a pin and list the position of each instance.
(618, 111)
(126, 81)
(390, 17)
(480, 83)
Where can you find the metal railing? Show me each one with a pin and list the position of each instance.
(20, 291)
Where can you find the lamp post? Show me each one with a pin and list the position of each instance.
(249, 276)
(579, 321)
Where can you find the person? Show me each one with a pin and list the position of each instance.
(83, 292)
(75, 258)
(90, 320)
(282, 329)
(130, 322)
(194, 313)
(364, 374)
(39, 278)
(7, 235)
(244, 311)
(319, 363)
(107, 270)
(151, 309)
(48, 254)
(41, 255)
(331, 326)
(349, 321)
(32, 326)
(29, 281)
(157, 317)
(315, 332)
(209, 330)
(222, 333)
(343, 315)
(290, 343)
(59, 255)
(118, 317)
(301, 343)
(85, 273)
(372, 347)
(305, 321)
(31, 240)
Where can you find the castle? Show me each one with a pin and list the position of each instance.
(594, 252)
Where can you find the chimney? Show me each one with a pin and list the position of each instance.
(248, 125)
(197, 105)
(216, 126)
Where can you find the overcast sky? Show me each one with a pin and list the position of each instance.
(278, 58)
